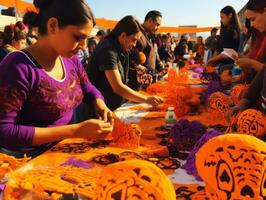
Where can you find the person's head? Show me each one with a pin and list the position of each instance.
(152, 21)
(101, 34)
(185, 37)
(19, 40)
(229, 17)
(199, 40)
(164, 38)
(214, 32)
(182, 41)
(127, 31)
(28, 19)
(256, 14)
(65, 25)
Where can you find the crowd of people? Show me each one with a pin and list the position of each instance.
(56, 65)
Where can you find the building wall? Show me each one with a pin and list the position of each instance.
(6, 20)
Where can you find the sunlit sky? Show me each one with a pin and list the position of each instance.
(175, 12)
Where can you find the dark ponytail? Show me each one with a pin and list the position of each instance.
(128, 24)
(67, 12)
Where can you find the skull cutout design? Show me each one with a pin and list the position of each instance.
(233, 166)
(218, 101)
(237, 92)
(134, 180)
(251, 122)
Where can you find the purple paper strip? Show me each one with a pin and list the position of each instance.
(2, 187)
(77, 163)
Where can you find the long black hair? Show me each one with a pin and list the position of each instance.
(256, 5)
(128, 24)
(234, 22)
(67, 12)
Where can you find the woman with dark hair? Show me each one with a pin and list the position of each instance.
(256, 13)
(181, 49)
(164, 50)
(256, 54)
(211, 42)
(253, 58)
(199, 48)
(229, 36)
(48, 82)
(12, 40)
(109, 65)
(32, 35)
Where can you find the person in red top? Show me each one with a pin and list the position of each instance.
(256, 13)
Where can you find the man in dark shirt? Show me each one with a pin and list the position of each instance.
(147, 45)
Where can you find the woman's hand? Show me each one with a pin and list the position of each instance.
(232, 112)
(93, 129)
(212, 61)
(241, 106)
(154, 100)
(247, 63)
(102, 112)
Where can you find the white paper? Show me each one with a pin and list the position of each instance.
(230, 53)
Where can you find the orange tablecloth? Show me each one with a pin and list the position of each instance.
(186, 185)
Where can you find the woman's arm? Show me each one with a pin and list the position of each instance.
(89, 129)
(247, 63)
(92, 96)
(14, 90)
(254, 90)
(114, 78)
(216, 58)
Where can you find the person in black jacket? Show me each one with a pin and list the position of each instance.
(229, 36)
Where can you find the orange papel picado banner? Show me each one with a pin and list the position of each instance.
(22, 7)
